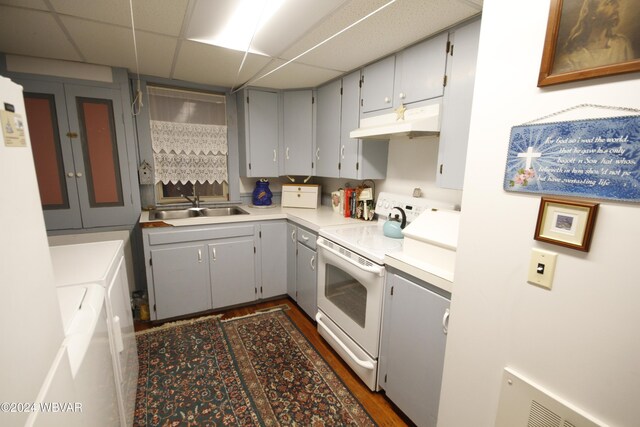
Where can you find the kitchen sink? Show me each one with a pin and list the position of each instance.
(225, 211)
(195, 212)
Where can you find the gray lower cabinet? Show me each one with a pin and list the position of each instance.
(180, 277)
(292, 247)
(273, 256)
(232, 272)
(306, 280)
(302, 278)
(197, 268)
(413, 346)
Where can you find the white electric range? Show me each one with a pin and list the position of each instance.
(351, 276)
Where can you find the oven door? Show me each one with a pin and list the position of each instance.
(350, 292)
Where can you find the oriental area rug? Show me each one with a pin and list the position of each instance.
(257, 370)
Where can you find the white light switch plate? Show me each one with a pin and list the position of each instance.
(542, 267)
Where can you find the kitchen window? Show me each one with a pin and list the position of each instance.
(189, 141)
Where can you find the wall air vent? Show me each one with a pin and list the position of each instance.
(525, 404)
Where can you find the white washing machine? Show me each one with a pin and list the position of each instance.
(102, 263)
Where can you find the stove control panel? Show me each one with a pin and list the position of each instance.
(412, 206)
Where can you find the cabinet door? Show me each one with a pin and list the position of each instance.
(262, 133)
(420, 71)
(306, 283)
(232, 271)
(298, 132)
(273, 253)
(52, 153)
(350, 120)
(180, 280)
(100, 155)
(377, 85)
(456, 107)
(292, 244)
(358, 159)
(328, 130)
(413, 347)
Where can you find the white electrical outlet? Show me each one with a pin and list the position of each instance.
(541, 268)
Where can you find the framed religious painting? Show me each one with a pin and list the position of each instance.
(590, 38)
(566, 223)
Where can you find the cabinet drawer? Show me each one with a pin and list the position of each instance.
(307, 238)
(194, 234)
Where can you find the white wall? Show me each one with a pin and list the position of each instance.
(411, 163)
(581, 340)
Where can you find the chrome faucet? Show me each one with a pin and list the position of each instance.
(195, 201)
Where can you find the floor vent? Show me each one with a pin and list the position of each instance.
(524, 404)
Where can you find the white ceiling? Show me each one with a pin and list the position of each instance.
(99, 32)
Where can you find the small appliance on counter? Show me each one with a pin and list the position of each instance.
(300, 196)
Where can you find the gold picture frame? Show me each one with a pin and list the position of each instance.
(567, 223)
(571, 50)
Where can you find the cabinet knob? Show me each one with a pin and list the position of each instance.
(71, 174)
(387, 99)
(401, 95)
(79, 174)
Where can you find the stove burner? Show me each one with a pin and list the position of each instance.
(380, 243)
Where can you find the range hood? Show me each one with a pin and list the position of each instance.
(415, 122)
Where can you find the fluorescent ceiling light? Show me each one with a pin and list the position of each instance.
(243, 21)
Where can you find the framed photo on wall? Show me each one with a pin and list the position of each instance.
(566, 223)
(590, 38)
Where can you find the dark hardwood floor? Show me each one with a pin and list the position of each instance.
(379, 407)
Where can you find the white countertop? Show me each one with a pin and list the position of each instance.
(312, 219)
(84, 263)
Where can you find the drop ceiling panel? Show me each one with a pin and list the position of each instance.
(112, 45)
(294, 76)
(201, 63)
(160, 16)
(42, 37)
(31, 4)
(393, 28)
(297, 18)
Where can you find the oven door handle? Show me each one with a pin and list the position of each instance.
(375, 270)
(362, 363)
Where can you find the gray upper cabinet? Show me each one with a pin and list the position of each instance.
(358, 159)
(328, 136)
(259, 133)
(337, 155)
(377, 86)
(413, 347)
(86, 173)
(456, 108)
(298, 132)
(420, 70)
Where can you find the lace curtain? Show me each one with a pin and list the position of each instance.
(188, 136)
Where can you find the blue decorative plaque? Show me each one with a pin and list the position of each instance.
(596, 158)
